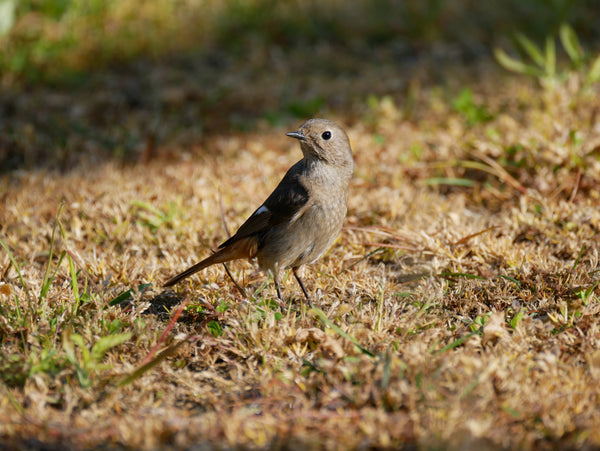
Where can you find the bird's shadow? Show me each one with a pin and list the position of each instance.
(163, 305)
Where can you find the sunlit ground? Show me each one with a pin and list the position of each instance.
(457, 309)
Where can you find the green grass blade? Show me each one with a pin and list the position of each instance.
(578, 257)
(531, 49)
(570, 43)
(550, 64)
(449, 181)
(73, 271)
(455, 343)
(125, 295)
(80, 342)
(593, 75)
(74, 284)
(340, 332)
(512, 279)
(146, 206)
(47, 281)
(514, 65)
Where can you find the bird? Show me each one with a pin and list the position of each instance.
(303, 216)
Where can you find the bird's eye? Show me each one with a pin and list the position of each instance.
(326, 135)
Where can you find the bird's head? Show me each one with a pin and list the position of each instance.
(324, 140)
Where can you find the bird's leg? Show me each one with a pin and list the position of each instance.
(278, 289)
(276, 282)
(295, 270)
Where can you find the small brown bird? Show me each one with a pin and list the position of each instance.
(303, 216)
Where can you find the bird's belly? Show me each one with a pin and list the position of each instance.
(290, 245)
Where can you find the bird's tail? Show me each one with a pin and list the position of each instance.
(244, 248)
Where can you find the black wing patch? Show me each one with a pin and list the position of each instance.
(289, 198)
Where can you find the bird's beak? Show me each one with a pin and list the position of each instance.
(296, 135)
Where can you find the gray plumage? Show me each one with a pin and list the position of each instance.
(304, 214)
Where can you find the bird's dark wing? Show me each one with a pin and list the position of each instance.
(288, 199)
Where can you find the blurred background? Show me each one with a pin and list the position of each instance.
(85, 81)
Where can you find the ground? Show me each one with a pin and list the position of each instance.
(458, 308)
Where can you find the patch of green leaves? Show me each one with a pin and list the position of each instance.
(88, 360)
(47, 361)
(153, 218)
(540, 62)
(478, 323)
(587, 294)
(222, 307)
(214, 327)
(472, 112)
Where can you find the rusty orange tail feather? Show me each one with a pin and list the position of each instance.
(244, 248)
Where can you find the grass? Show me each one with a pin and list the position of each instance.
(458, 308)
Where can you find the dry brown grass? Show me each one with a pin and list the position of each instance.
(478, 305)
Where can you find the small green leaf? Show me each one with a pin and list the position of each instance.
(585, 294)
(222, 307)
(114, 326)
(516, 319)
(215, 329)
(105, 343)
